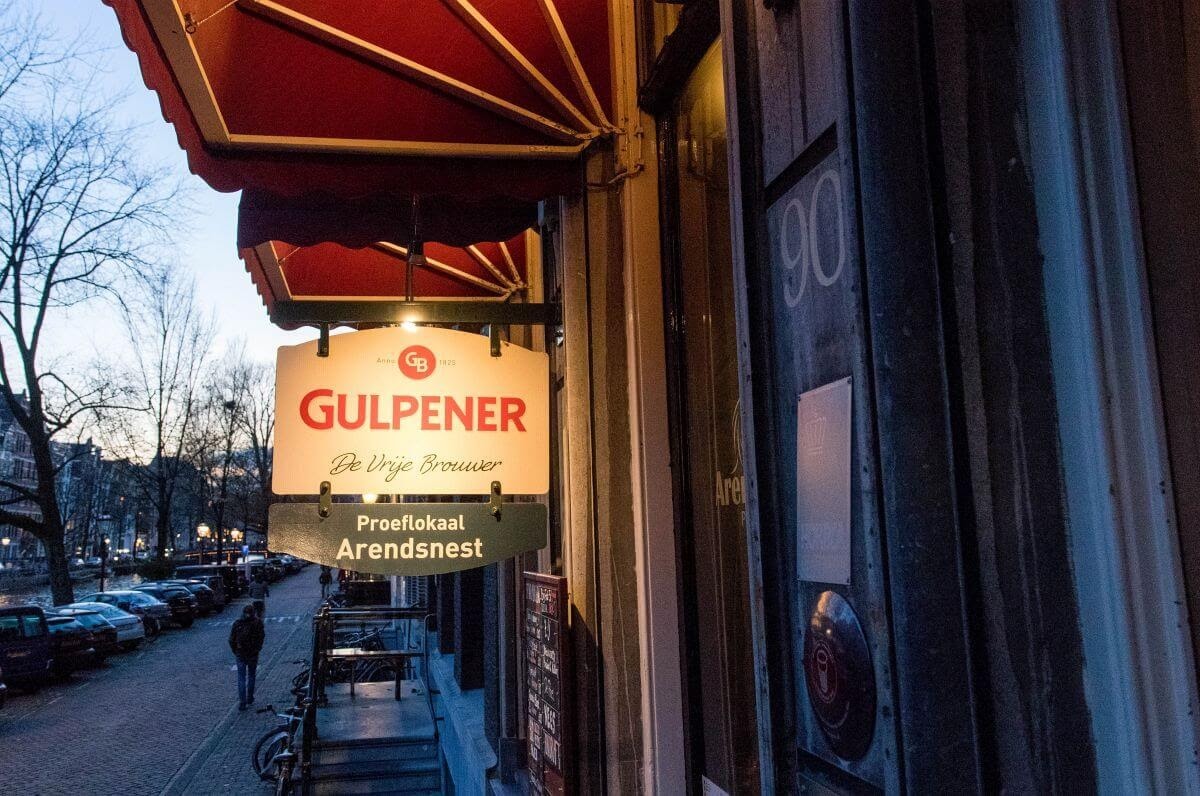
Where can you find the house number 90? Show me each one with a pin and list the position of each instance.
(808, 253)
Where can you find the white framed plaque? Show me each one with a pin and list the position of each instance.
(823, 439)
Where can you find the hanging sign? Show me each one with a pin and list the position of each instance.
(407, 538)
(411, 411)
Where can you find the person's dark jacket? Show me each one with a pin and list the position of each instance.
(246, 638)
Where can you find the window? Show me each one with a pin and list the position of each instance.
(32, 625)
(10, 628)
(662, 19)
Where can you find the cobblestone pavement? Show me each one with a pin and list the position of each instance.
(162, 719)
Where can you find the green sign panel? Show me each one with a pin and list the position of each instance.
(407, 538)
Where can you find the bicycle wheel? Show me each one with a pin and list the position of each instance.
(270, 744)
(381, 672)
(283, 777)
(340, 671)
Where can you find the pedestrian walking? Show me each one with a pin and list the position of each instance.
(259, 593)
(325, 579)
(246, 641)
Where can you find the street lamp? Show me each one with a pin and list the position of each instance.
(230, 407)
(202, 533)
(104, 560)
(5, 542)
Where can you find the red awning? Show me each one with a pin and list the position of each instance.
(376, 100)
(330, 272)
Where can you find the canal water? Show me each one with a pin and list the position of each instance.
(40, 595)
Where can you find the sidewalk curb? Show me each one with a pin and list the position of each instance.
(178, 784)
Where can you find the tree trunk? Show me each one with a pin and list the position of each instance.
(265, 522)
(61, 590)
(163, 523)
(52, 530)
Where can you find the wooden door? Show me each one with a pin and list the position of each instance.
(840, 274)
(706, 444)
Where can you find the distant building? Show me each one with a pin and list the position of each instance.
(79, 489)
(17, 467)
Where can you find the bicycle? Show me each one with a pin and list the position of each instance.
(265, 759)
(273, 757)
(337, 600)
(366, 639)
(300, 681)
(366, 671)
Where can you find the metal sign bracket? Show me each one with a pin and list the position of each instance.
(323, 341)
(494, 338)
(326, 499)
(496, 500)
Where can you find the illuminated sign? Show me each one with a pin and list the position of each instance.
(407, 538)
(411, 411)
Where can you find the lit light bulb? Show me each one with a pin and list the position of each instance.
(408, 326)
(370, 497)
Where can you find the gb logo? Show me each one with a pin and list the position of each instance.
(416, 362)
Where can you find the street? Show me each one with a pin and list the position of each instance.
(163, 719)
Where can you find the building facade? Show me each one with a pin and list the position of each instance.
(932, 244)
(873, 421)
(16, 467)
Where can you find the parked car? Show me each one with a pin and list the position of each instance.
(228, 573)
(206, 601)
(105, 638)
(24, 646)
(71, 645)
(130, 628)
(217, 584)
(271, 570)
(154, 612)
(182, 602)
(291, 564)
(275, 570)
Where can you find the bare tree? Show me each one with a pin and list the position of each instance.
(26, 49)
(77, 209)
(258, 425)
(217, 437)
(170, 340)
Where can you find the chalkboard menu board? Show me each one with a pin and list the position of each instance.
(546, 680)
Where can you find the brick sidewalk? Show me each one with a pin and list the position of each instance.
(222, 763)
(163, 716)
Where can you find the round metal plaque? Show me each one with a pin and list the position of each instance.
(839, 676)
